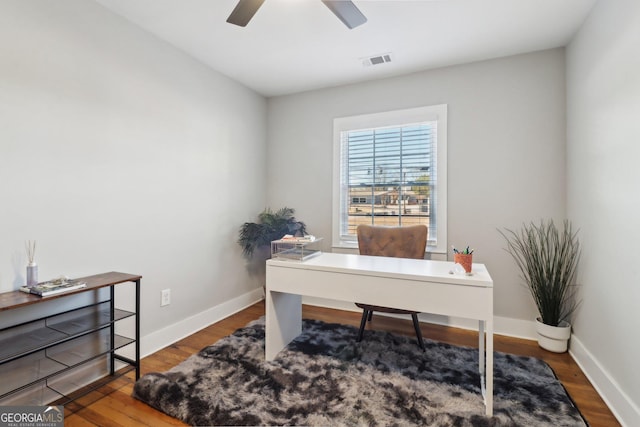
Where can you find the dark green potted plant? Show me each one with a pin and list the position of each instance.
(547, 259)
(270, 226)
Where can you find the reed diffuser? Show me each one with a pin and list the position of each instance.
(32, 267)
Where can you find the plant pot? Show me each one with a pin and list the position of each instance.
(465, 260)
(553, 338)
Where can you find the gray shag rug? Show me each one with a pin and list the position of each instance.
(325, 378)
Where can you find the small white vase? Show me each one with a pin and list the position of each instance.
(553, 338)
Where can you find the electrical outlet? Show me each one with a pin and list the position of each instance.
(166, 297)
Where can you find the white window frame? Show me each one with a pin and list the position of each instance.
(393, 118)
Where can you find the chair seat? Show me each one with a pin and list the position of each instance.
(385, 309)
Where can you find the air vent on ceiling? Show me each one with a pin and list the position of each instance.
(377, 59)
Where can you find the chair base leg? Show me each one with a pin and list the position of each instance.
(365, 314)
(416, 325)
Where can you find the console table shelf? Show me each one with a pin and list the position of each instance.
(44, 360)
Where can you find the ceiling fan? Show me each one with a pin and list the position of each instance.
(345, 10)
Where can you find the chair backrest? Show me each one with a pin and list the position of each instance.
(399, 242)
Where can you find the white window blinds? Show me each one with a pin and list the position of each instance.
(391, 174)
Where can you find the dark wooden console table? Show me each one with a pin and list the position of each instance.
(37, 354)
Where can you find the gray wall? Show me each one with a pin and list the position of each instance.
(603, 75)
(119, 152)
(506, 152)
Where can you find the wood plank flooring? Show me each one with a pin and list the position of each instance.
(112, 404)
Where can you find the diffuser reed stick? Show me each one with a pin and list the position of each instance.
(31, 251)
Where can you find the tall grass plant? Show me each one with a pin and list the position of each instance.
(548, 260)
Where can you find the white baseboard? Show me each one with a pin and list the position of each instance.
(502, 325)
(624, 409)
(158, 340)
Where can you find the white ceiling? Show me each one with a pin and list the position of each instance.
(297, 45)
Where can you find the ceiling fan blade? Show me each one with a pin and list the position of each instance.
(244, 11)
(347, 12)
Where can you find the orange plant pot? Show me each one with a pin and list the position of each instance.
(465, 260)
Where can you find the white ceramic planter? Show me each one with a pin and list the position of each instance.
(553, 338)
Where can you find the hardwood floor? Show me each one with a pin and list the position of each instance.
(112, 404)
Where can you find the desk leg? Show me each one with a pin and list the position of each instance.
(489, 369)
(481, 364)
(485, 363)
(283, 321)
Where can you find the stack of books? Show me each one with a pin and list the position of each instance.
(54, 287)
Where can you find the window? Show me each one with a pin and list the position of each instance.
(390, 169)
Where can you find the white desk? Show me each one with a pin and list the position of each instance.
(424, 286)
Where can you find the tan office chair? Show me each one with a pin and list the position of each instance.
(399, 242)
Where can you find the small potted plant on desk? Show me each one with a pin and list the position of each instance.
(548, 259)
